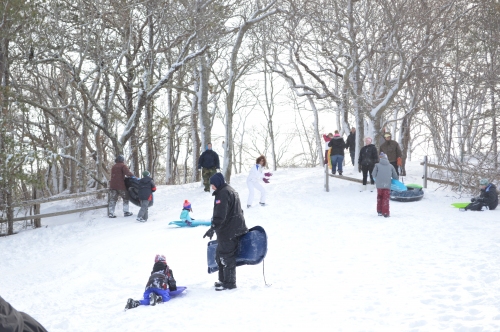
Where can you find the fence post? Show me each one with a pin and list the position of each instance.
(327, 179)
(109, 197)
(425, 172)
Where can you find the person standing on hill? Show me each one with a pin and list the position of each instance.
(253, 181)
(350, 144)
(146, 189)
(368, 157)
(229, 225)
(327, 139)
(393, 151)
(383, 172)
(337, 155)
(117, 187)
(209, 161)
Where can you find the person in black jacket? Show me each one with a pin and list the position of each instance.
(209, 161)
(146, 189)
(160, 283)
(229, 225)
(350, 144)
(337, 154)
(488, 197)
(368, 157)
(12, 320)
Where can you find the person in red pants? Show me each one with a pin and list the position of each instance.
(383, 173)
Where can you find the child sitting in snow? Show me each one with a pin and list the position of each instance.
(186, 208)
(159, 285)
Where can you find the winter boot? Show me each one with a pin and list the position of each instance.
(218, 284)
(386, 215)
(131, 303)
(127, 214)
(152, 298)
(340, 172)
(111, 215)
(379, 214)
(229, 279)
(363, 188)
(371, 187)
(262, 204)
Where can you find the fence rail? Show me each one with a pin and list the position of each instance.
(426, 178)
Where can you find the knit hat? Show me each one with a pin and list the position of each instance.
(146, 173)
(367, 138)
(119, 159)
(383, 155)
(186, 205)
(217, 180)
(483, 182)
(160, 258)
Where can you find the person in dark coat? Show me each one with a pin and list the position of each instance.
(229, 225)
(368, 157)
(337, 154)
(117, 187)
(350, 144)
(384, 172)
(209, 161)
(146, 189)
(160, 283)
(488, 197)
(393, 151)
(12, 320)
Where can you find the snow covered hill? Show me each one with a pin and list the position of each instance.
(332, 263)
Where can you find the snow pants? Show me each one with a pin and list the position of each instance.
(164, 293)
(13, 320)
(252, 185)
(337, 161)
(113, 198)
(367, 169)
(383, 196)
(225, 256)
(206, 174)
(143, 212)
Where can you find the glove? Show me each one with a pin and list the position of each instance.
(268, 174)
(399, 161)
(473, 199)
(265, 180)
(209, 233)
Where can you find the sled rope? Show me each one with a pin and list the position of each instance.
(264, 274)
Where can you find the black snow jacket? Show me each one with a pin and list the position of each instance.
(368, 156)
(489, 196)
(337, 144)
(12, 320)
(351, 142)
(161, 277)
(228, 220)
(209, 159)
(146, 188)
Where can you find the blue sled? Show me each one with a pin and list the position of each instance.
(176, 292)
(194, 223)
(397, 185)
(253, 249)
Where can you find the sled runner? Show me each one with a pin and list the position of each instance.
(253, 249)
(132, 185)
(194, 223)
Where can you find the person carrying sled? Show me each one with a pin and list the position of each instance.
(488, 197)
(337, 155)
(368, 157)
(12, 320)
(146, 189)
(209, 161)
(393, 151)
(229, 225)
(161, 282)
(186, 208)
(253, 181)
(117, 187)
(383, 173)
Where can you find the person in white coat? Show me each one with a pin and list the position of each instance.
(253, 181)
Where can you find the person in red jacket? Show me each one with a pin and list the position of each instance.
(117, 187)
(327, 139)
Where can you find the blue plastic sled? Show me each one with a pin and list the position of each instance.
(397, 185)
(176, 292)
(132, 185)
(194, 223)
(253, 249)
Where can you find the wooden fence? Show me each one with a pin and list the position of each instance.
(426, 177)
(342, 177)
(37, 216)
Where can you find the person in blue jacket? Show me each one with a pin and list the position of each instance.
(209, 161)
(160, 284)
(146, 189)
(186, 208)
(488, 197)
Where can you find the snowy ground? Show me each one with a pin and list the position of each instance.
(332, 263)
